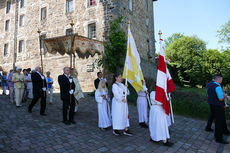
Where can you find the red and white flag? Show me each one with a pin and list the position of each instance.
(164, 83)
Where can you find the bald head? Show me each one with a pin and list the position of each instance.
(66, 70)
(38, 68)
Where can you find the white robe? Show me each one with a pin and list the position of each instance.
(29, 86)
(120, 113)
(158, 125)
(142, 106)
(104, 115)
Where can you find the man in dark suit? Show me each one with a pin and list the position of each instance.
(39, 91)
(67, 87)
(99, 78)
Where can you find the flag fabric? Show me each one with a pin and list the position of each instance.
(132, 70)
(164, 83)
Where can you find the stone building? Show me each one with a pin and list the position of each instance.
(21, 19)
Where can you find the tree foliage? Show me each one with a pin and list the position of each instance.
(224, 33)
(190, 63)
(115, 48)
(185, 56)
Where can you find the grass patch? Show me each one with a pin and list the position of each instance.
(190, 102)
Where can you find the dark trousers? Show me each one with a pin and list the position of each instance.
(212, 117)
(67, 105)
(218, 112)
(42, 102)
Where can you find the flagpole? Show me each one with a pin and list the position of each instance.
(126, 80)
(167, 96)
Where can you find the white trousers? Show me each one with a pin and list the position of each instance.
(18, 95)
(50, 93)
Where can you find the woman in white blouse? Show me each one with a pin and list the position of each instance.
(158, 125)
(102, 99)
(120, 114)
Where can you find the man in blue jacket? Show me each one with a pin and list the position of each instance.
(216, 98)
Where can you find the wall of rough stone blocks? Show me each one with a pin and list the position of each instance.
(55, 25)
(58, 21)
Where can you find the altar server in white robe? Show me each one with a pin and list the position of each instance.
(158, 125)
(120, 114)
(102, 99)
(142, 106)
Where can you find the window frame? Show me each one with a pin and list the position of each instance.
(130, 5)
(69, 32)
(90, 33)
(43, 18)
(20, 49)
(6, 53)
(22, 6)
(93, 3)
(7, 26)
(68, 6)
(20, 21)
(8, 6)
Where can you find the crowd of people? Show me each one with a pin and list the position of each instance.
(34, 85)
(20, 86)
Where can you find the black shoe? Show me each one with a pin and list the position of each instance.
(72, 122)
(222, 141)
(208, 129)
(153, 141)
(43, 114)
(227, 133)
(103, 129)
(168, 144)
(116, 132)
(145, 126)
(66, 122)
(29, 110)
(128, 133)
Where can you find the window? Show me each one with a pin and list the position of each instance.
(21, 21)
(69, 32)
(21, 46)
(6, 47)
(69, 6)
(92, 31)
(92, 2)
(22, 3)
(7, 26)
(131, 5)
(43, 13)
(8, 6)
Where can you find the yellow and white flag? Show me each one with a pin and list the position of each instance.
(132, 70)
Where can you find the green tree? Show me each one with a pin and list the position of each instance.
(186, 56)
(170, 40)
(225, 68)
(212, 63)
(224, 33)
(115, 48)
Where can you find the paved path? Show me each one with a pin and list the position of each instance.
(29, 133)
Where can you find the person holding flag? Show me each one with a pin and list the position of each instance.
(120, 113)
(133, 74)
(161, 102)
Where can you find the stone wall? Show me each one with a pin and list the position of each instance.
(58, 21)
(55, 25)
